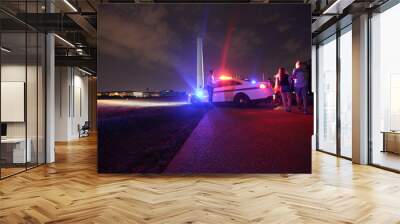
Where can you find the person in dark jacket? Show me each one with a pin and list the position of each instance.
(283, 85)
(300, 85)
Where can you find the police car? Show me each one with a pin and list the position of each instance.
(241, 92)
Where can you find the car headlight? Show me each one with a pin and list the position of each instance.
(200, 93)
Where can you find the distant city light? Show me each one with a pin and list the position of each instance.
(137, 103)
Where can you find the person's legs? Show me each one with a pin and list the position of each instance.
(283, 95)
(304, 96)
(210, 94)
(286, 100)
(278, 98)
(298, 97)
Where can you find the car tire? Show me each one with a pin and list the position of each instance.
(242, 100)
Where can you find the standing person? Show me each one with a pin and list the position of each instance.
(277, 91)
(210, 85)
(282, 82)
(300, 85)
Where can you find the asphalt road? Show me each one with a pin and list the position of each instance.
(253, 140)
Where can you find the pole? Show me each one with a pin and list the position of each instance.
(200, 63)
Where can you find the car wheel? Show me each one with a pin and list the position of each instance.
(242, 100)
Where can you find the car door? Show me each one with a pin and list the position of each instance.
(224, 91)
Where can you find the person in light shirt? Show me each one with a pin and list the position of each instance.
(210, 85)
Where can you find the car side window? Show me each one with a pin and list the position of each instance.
(235, 83)
(217, 84)
(221, 84)
(227, 83)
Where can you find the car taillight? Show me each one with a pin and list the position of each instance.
(263, 86)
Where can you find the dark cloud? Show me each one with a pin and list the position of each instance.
(284, 28)
(149, 37)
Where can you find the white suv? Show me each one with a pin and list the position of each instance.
(240, 92)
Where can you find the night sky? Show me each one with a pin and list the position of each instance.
(154, 46)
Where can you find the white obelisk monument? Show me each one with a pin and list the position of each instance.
(200, 63)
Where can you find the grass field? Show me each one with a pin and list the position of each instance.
(139, 136)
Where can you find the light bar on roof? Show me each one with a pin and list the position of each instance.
(225, 77)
